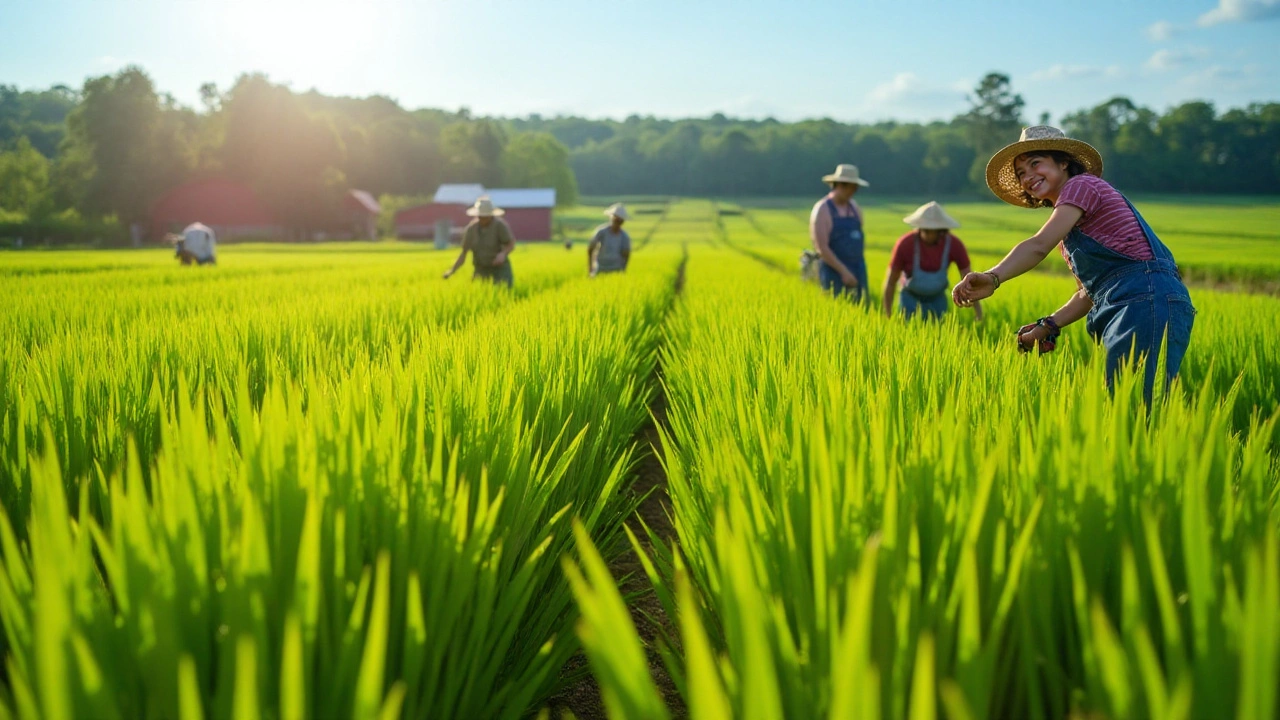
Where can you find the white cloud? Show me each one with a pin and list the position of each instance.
(1240, 11)
(1221, 77)
(112, 61)
(1060, 72)
(909, 96)
(1162, 30)
(1164, 60)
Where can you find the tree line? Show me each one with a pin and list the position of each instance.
(105, 152)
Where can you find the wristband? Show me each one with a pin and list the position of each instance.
(1050, 342)
(995, 278)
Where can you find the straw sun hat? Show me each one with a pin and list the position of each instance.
(617, 210)
(845, 174)
(1003, 179)
(931, 217)
(484, 208)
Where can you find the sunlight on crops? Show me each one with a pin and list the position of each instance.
(320, 480)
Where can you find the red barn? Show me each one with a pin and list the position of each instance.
(230, 208)
(361, 211)
(528, 211)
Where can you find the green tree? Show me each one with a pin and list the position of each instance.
(291, 157)
(993, 120)
(539, 160)
(24, 180)
(124, 146)
(472, 152)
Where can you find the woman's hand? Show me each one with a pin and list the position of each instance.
(849, 279)
(974, 287)
(1033, 336)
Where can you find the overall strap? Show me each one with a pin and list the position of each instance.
(946, 252)
(915, 259)
(1158, 249)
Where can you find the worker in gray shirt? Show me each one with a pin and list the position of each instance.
(610, 248)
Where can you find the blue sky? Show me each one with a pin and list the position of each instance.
(860, 61)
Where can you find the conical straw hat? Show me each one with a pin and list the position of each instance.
(931, 216)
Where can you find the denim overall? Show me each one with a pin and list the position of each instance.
(1135, 303)
(926, 291)
(846, 242)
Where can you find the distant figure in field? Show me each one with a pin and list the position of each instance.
(835, 227)
(198, 244)
(610, 248)
(922, 257)
(1129, 287)
(489, 241)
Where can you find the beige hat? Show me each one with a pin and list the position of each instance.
(484, 208)
(845, 174)
(617, 210)
(931, 216)
(1003, 180)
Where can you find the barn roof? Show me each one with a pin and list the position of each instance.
(523, 197)
(506, 198)
(458, 194)
(366, 200)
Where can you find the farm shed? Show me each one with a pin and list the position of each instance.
(361, 212)
(528, 211)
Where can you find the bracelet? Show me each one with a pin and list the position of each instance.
(1048, 321)
(995, 278)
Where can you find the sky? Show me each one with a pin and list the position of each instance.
(909, 60)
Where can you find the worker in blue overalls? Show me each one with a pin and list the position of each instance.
(922, 257)
(835, 227)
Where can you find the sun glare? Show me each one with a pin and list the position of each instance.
(298, 41)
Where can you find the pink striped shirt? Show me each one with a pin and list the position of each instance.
(820, 218)
(1107, 217)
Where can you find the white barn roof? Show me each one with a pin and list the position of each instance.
(458, 194)
(523, 197)
(502, 197)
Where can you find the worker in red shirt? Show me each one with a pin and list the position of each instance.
(922, 257)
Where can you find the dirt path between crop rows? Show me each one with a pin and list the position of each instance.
(583, 699)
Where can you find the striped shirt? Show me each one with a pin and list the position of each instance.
(1107, 217)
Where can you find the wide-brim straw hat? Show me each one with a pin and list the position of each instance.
(617, 210)
(845, 174)
(931, 216)
(1003, 179)
(484, 208)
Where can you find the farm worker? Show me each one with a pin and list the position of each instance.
(198, 244)
(489, 241)
(1129, 288)
(835, 227)
(922, 257)
(610, 248)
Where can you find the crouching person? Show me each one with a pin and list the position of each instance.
(197, 245)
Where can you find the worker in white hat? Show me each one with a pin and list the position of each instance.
(921, 257)
(489, 240)
(197, 244)
(835, 227)
(610, 248)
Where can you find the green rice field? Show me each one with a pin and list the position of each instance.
(321, 481)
